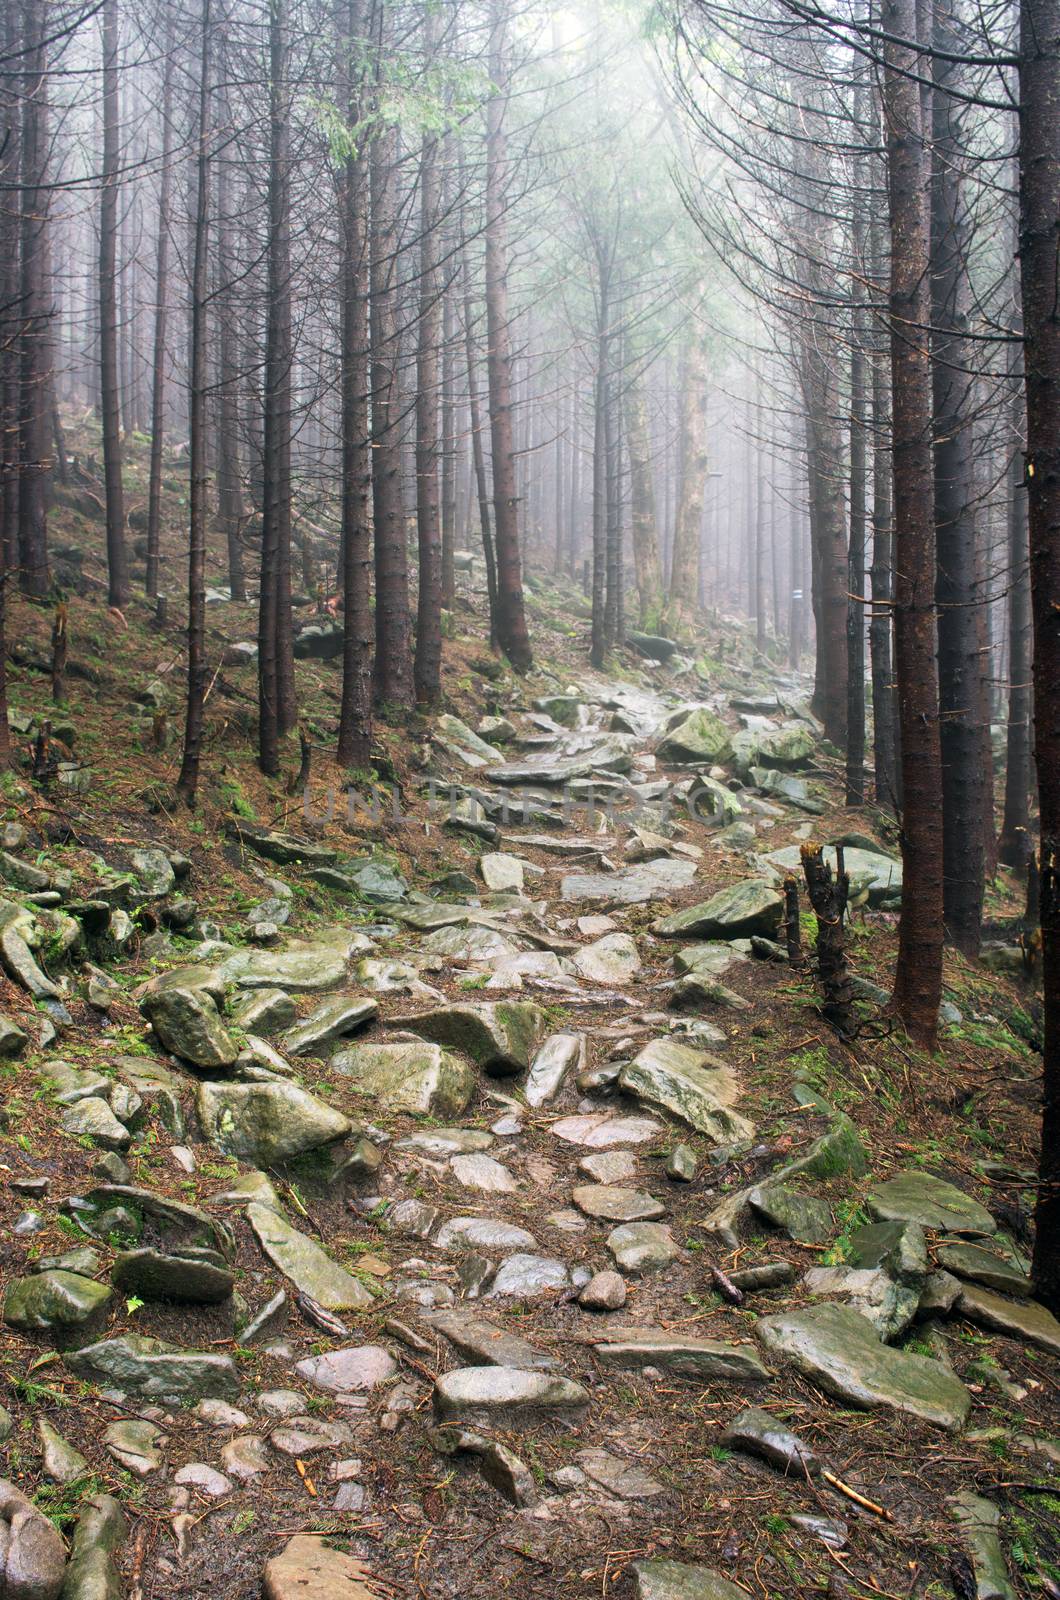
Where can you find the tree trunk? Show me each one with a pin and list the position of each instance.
(36, 307)
(642, 496)
(275, 660)
(9, 293)
(188, 781)
(598, 645)
(475, 418)
(855, 751)
(1039, 79)
(692, 443)
(158, 353)
(881, 623)
(512, 635)
(355, 720)
(427, 671)
(393, 683)
(960, 666)
(229, 484)
(117, 566)
(449, 455)
(918, 977)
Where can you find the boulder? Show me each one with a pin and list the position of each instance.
(63, 1304)
(418, 1078)
(691, 1085)
(697, 736)
(677, 1580)
(500, 1038)
(156, 1370)
(934, 1203)
(267, 1122)
(32, 1553)
(331, 1020)
(752, 907)
(507, 1397)
(188, 1023)
(308, 1569)
(839, 1350)
(101, 1530)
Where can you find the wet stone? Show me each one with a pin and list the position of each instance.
(348, 1371)
(1023, 1320)
(983, 1266)
(245, 1458)
(839, 1350)
(681, 1163)
(623, 1479)
(508, 1396)
(978, 1520)
(613, 1204)
(934, 1203)
(206, 1479)
(32, 1554)
(523, 1276)
(308, 1569)
(802, 1217)
(482, 1343)
(61, 1462)
(482, 1172)
(195, 1279)
(500, 1466)
(760, 1434)
(639, 1248)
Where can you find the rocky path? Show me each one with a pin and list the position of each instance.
(498, 1238)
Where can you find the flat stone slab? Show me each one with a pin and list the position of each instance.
(499, 1037)
(688, 1357)
(331, 1020)
(610, 1166)
(614, 960)
(934, 1203)
(302, 1260)
(1019, 1319)
(483, 1344)
(507, 1396)
(155, 1369)
(838, 1348)
(267, 1122)
(979, 1520)
(416, 1077)
(525, 1275)
(983, 1266)
(445, 1141)
(758, 1433)
(614, 1204)
(348, 1371)
(478, 1171)
(195, 1279)
(690, 1084)
(676, 1580)
(624, 1479)
(483, 1233)
(599, 1131)
(642, 1247)
(630, 886)
(308, 1569)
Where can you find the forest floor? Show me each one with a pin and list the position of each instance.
(633, 1465)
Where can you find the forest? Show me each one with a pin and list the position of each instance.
(529, 657)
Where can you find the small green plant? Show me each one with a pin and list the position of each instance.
(775, 1524)
(134, 1304)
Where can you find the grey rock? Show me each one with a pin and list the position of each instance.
(193, 1278)
(803, 1217)
(265, 1011)
(609, 1166)
(266, 1323)
(839, 1349)
(743, 909)
(993, 1271)
(206, 1479)
(308, 1569)
(524, 1276)
(677, 1580)
(681, 1163)
(483, 1233)
(1023, 1320)
(306, 1263)
(482, 1172)
(93, 1119)
(689, 1083)
(155, 1369)
(348, 1371)
(696, 736)
(267, 1123)
(978, 1520)
(331, 1020)
(500, 1466)
(605, 1291)
(136, 1444)
(639, 1248)
(890, 1306)
(613, 960)
(510, 1396)
(32, 1554)
(12, 1039)
(630, 886)
(188, 1023)
(934, 1203)
(101, 1530)
(62, 1463)
(685, 1356)
(500, 1038)
(613, 1204)
(482, 1343)
(760, 1434)
(63, 1304)
(559, 1055)
(245, 1458)
(152, 867)
(414, 1077)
